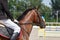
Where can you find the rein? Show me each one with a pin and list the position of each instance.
(25, 24)
(28, 23)
(22, 23)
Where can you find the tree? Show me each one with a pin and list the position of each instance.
(56, 8)
(55, 4)
(35, 3)
(19, 6)
(46, 12)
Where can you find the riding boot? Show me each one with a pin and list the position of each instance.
(14, 36)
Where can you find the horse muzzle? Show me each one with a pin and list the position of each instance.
(42, 25)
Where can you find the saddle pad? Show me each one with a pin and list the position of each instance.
(4, 32)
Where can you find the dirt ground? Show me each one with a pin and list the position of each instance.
(34, 36)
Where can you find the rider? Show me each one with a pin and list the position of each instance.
(5, 17)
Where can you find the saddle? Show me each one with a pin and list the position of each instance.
(5, 31)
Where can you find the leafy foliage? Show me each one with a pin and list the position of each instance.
(55, 4)
(17, 7)
(56, 9)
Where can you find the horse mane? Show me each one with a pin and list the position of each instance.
(24, 13)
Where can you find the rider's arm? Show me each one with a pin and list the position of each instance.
(6, 9)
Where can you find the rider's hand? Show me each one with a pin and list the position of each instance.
(15, 21)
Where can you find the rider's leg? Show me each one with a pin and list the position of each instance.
(13, 26)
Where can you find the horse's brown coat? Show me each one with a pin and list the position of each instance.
(26, 24)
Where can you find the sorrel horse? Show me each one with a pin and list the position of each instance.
(26, 21)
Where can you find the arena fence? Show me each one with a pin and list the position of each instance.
(53, 23)
(52, 29)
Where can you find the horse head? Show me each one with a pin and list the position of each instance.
(38, 20)
(29, 18)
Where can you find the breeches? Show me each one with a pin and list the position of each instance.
(12, 25)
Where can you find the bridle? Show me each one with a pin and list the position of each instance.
(30, 23)
(38, 16)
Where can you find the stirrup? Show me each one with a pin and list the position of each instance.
(14, 36)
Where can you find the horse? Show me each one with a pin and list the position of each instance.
(26, 21)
